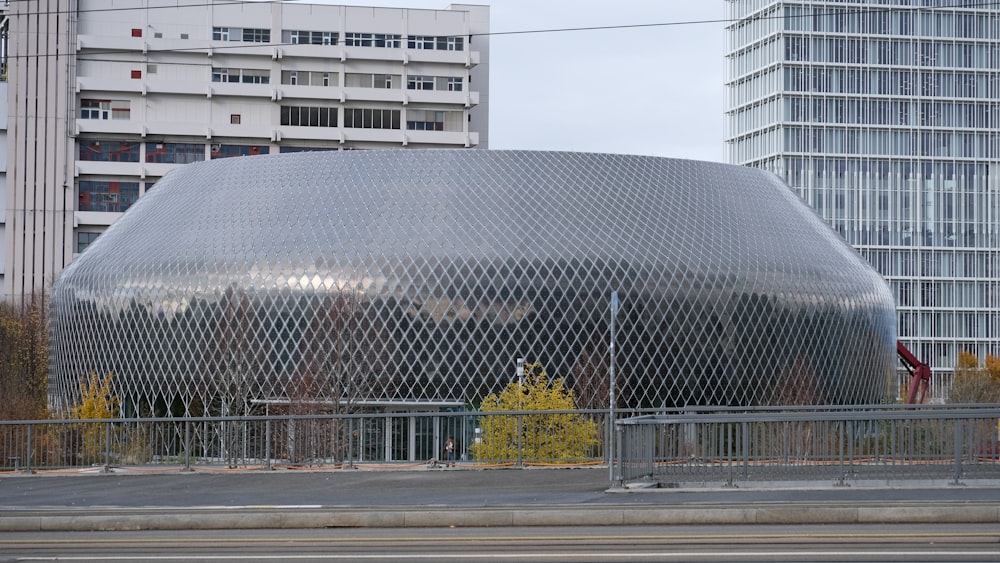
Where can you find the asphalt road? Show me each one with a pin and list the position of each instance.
(676, 543)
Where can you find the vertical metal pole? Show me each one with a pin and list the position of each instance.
(729, 452)
(745, 447)
(520, 451)
(267, 442)
(843, 469)
(187, 445)
(107, 446)
(958, 451)
(612, 452)
(27, 457)
(350, 443)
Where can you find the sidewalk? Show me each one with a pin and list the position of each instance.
(205, 499)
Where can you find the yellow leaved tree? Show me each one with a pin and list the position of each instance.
(974, 383)
(550, 437)
(97, 401)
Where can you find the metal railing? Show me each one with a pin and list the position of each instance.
(835, 444)
(317, 440)
(692, 447)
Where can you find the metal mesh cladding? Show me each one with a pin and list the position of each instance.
(419, 276)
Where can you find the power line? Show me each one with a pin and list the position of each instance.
(244, 45)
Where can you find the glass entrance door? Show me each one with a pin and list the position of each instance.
(398, 446)
(413, 437)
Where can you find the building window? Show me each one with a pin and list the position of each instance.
(95, 109)
(136, 32)
(441, 43)
(220, 34)
(234, 119)
(421, 42)
(107, 196)
(244, 75)
(307, 116)
(430, 120)
(229, 151)
(175, 153)
(254, 76)
(136, 74)
(108, 151)
(425, 120)
(420, 83)
(358, 39)
(83, 240)
(454, 84)
(291, 148)
(184, 36)
(157, 35)
(256, 35)
(308, 78)
(388, 40)
(297, 37)
(104, 109)
(150, 69)
(368, 118)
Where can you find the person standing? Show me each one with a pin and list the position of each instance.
(449, 452)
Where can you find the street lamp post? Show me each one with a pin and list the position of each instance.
(611, 389)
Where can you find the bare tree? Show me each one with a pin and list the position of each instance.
(23, 360)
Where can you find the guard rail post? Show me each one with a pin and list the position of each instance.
(958, 452)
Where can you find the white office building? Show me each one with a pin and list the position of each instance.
(106, 97)
(883, 116)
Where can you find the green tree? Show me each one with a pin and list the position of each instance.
(97, 401)
(974, 383)
(543, 437)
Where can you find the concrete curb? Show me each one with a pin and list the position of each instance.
(416, 517)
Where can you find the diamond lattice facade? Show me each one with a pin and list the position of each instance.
(418, 277)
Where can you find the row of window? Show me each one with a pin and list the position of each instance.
(99, 150)
(102, 109)
(246, 34)
(372, 118)
(949, 324)
(893, 82)
(867, 111)
(241, 75)
(942, 144)
(926, 263)
(865, 50)
(351, 39)
(936, 23)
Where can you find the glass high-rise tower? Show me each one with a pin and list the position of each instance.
(883, 116)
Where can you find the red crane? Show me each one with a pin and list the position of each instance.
(920, 374)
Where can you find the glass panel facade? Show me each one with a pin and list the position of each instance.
(884, 121)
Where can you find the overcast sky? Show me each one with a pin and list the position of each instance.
(650, 91)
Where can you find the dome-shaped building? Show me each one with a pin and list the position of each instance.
(418, 277)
